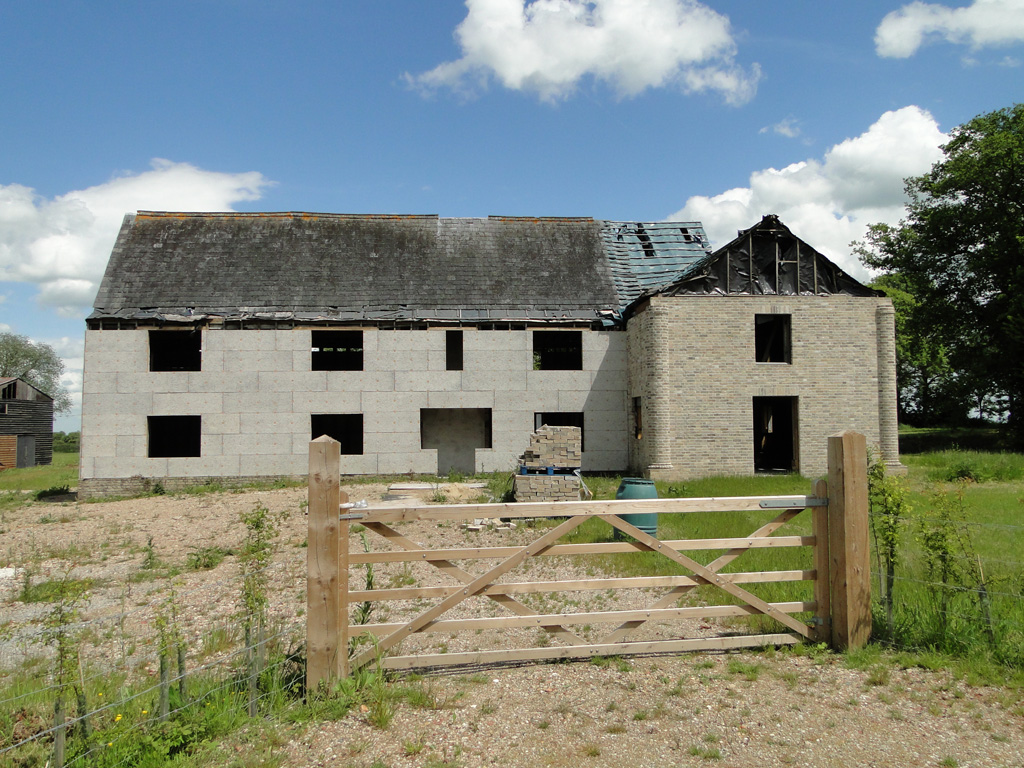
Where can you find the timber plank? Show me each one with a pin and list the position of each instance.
(584, 508)
(588, 651)
(580, 585)
(589, 617)
(737, 545)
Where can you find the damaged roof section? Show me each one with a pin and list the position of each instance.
(349, 268)
(645, 256)
(766, 259)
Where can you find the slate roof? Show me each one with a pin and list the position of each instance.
(339, 267)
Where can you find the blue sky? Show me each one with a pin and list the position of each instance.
(719, 111)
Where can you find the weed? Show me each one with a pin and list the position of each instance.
(206, 558)
(615, 728)
(591, 750)
(412, 748)
(544, 725)
(750, 672)
(878, 675)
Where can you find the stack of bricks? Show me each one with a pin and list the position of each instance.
(552, 449)
(558, 447)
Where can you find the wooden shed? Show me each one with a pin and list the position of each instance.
(26, 424)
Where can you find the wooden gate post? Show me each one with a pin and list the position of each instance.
(849, 572)
(822, 567)
(326, 568)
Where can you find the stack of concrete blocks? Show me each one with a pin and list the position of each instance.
(555, 449)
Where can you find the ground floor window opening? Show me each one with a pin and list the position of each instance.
(346, 428)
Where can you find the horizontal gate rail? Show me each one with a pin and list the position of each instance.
(579, 585)
(837, 542)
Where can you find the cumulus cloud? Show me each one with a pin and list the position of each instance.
(982, 24)
(549, 46)
(62, 244)
(829, 202)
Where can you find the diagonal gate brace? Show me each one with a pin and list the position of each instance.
(705, 573)
(715, 565)
(470, 590)
(466, 577)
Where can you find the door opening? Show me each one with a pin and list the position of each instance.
(775, 434)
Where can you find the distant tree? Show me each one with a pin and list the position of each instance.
(960, 255)
(36, 363)
(66, 443)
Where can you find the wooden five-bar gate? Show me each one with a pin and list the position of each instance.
(839, 540)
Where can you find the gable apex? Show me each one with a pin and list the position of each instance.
(766, 259)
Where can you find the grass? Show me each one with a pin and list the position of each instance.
(62, 472)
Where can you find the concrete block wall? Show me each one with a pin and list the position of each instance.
(256, 391)
(692, 363)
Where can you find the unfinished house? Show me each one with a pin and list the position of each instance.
(26, 424)
(752, 357)
(220, 344)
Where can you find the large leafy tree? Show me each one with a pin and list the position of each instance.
(36, 363)
(960, 255)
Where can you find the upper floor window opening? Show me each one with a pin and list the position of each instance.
(174, 350)
(773, 339)
(337, 351)
(558, 350)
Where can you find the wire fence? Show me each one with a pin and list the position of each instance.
(122, 652)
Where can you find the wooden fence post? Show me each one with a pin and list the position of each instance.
(849, 571)
(326, 568)
(822, 579)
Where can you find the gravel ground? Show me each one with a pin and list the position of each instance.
(736, 709)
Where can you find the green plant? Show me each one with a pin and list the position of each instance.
(889, 510)
(257, 553)
(53, 490)
(206, 558)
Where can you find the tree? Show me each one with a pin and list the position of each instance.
(37, 364)
(960, 255)
(927, 387)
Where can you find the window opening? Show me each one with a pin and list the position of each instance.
(174, 436)
(175, 350)
(558, 350)
(638, 419)
(772, 339)
(561, 419)
(775, 434)
(453, 350)
(337, 351)
(346, 428)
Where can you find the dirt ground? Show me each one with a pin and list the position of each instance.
(735, 709)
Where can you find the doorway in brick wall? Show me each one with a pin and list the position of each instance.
(776, 447)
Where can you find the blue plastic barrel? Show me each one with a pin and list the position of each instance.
(638, 488)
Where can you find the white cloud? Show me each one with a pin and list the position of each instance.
(790, 128)
(983, 23)
(549, 46)
(62, 244)
(829, 202)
